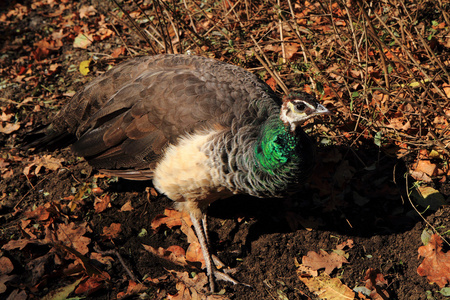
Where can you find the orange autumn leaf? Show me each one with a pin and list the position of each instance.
(436, 265)
(194, 254)
(112, 231)
(171, 218)
(102, 203)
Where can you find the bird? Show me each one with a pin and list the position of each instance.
(199, 128)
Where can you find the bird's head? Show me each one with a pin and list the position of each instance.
(299, 107)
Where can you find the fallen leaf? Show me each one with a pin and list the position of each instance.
(328, 288)
(176, 254)
(171, 218)
(62, 292)
(323, 260)
(192, 288)
(112, 232)
(91, 285)
(6, 265)
(102, 203)
(376, 283)
(83, 40)
(194, 254)
(72, 235)
(428, 197)
(84, 67)
(436, 265)
(87, 11)
(9, 128)
(46, 161)
(127, 206)
(21, 243)
(132, 289)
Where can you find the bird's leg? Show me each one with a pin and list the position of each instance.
(201, 235)
(205, 228)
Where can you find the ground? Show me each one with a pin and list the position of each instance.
(58, 215)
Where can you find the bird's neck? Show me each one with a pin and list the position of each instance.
(277, 147)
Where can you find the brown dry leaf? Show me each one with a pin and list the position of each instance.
(132, 289)
(127, 206)
(21, 243)
(102, 203)
(87, 11)
(446, 88)
(192, 288)
(303, 270)
(272, 83)
(323, 260)
(171, 218)
(112, 232)
(72, 235)
(436, 265)
(425, 166)
(194, 254)
(176, 254)
(6, 265)
(106, 260)
(40, 213)
(118, 52)
(9, 128)
(91, 285)
(328, 288)
(399, 124)
(46, 161)
(291, 49)
(189, 232)
(3, 280)
(348, 243)
(377, 284)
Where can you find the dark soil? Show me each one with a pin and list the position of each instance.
(357, 194)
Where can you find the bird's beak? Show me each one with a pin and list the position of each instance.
(322, 110)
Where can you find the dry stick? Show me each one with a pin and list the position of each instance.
(291, 9)
(280, 24)
(190, 16)
(313, 63)
(122, 262)
(153, 37)
(175, 29)
(163, 26)
(273, 74)
(373, 33)
(138, 29)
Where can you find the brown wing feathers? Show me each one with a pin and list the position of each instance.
(126, 117)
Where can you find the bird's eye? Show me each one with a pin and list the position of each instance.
(300, 106)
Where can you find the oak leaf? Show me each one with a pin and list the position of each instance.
(436, 265)
(322, 260)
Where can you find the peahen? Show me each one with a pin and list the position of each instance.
(201, 129)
